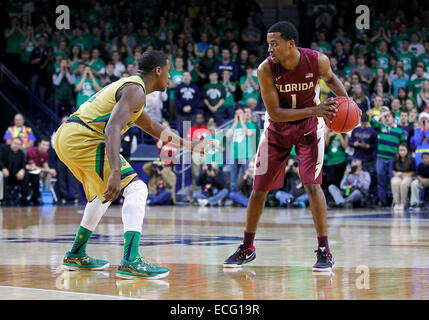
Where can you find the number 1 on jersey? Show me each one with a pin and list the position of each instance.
(293, 101)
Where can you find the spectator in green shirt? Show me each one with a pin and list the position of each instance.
(85, 59)
(415, 85)
(383, 56)
(424, 57)
(249, 86)
(217, 151)
(86, 86)
(96, 63)
(13, 36)
(27, 45)
(63, 81)
(323, 45)
(242, 146)
(214, 95)
(406, 57)
(230, 89)
(335, 161)
(176, 78)
(389, 139)
(80, 40)
(350, 65)
(137, 53)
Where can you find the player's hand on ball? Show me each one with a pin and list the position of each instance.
(326, 109)
(113, 186)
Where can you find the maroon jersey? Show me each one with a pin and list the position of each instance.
(297, 89)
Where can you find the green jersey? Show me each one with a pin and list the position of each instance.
(216, 151)
(408, 60)
(12, 43)
(242, 146)
(214, 93)
(425, 59)
(383, 61)
(177, 77)
(335, 154)
(249, 91)
(86, 92)
(415, 86)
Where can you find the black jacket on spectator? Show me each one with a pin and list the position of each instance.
(422, 171)
(12, 161)
(187, 94)
(208, 184)
(245, 186)
(291, 183)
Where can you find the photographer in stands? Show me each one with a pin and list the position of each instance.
(162, 183)
(212, 186)
(354, 186)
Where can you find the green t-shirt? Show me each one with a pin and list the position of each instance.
(57, 68)
(383, 61)
(86, 92)
(98, 65)
(128, 60)
(26, 52)
(147, 41)
(347, 69)
(242, 146)
(324, 47)
(214, 154)
(213, 93)
(82, 43)
(335, 153)
(12, 43)
(64, 91)
(425, 59)
(397, 40)
(250, 91)
(229, 99)
(177, 77)
(415, 86)
(408, 60)
(53, 44)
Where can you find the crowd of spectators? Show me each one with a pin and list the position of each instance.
(215, 48)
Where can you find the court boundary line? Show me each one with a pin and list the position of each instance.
(67, 292)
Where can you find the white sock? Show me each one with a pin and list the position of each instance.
(94, 210)
(133, 209)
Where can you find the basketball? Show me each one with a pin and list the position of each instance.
(347, 117)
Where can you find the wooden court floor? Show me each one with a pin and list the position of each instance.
(379, 255)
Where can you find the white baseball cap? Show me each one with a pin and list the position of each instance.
(423, 115)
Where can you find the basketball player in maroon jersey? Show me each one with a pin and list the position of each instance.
(289, 88)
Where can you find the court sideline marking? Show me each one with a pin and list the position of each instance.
(70, 292)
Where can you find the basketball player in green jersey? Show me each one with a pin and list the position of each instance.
(89, 144)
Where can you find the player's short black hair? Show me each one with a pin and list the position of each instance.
(287, 30)
(151, 59)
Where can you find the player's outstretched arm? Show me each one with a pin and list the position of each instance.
(158, 131)
(271, 100)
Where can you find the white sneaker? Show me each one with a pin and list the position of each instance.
(401, 207)
(203, 202)
(396, 207)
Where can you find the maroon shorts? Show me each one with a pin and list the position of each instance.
(274, 149)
